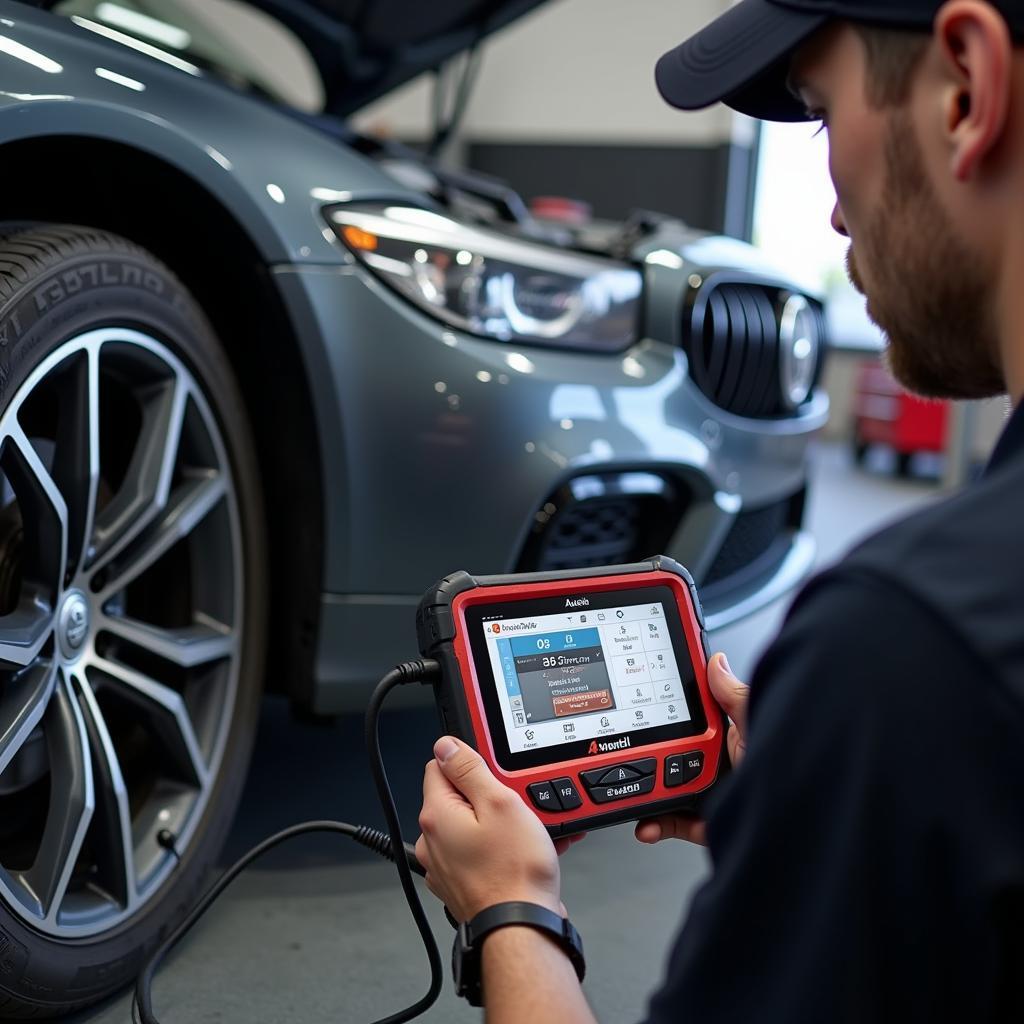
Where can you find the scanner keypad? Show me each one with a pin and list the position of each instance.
(620, 781)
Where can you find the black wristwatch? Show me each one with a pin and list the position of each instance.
(470, 935)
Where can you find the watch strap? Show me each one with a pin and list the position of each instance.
(471, 934)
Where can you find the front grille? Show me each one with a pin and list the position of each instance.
(755, 537)
(731, 336)
(602, 520)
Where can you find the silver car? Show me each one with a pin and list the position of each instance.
(262, 380)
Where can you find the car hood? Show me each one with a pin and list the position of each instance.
(366, 48)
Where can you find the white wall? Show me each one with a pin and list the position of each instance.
(575, 71)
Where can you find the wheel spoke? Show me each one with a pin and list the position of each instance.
(147, 484)
(76, 464)
(189, 505)
(167, 712)
(24, 630)
(44, 512)
(72, 799)
(24, 698)
(112, 823)
(189, 646)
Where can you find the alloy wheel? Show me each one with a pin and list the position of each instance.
(120, 609)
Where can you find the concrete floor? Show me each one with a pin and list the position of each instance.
(319, 931)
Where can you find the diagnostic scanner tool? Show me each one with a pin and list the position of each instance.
(585, 690)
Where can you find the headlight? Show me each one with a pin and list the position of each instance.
(799, 350)
(490, 284)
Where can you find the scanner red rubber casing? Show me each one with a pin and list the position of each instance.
(443, 635)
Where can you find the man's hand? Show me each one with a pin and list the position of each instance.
(732, 695)
(481, 844)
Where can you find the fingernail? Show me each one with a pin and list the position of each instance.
(723, 661)
(444, 748)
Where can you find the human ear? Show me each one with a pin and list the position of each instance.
(976, 53)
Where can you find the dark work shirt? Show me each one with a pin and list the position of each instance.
(868, 853)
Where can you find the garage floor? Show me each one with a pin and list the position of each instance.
(319, 931)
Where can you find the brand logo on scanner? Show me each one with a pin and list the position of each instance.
(604, 748)
(577, 602)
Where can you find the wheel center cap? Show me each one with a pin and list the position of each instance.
(73, 625)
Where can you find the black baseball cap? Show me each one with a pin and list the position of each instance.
(742, 59)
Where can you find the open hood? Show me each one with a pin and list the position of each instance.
(366, 48)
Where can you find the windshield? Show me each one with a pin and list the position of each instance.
(227, 38)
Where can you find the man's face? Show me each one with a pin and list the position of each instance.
(926, 287)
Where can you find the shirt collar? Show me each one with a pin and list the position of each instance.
(1011, 441)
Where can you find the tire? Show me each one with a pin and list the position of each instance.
(132, 608)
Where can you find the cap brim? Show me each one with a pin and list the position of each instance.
(741, 59)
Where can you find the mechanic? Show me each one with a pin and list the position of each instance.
(868, 852)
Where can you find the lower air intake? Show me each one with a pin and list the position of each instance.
(602, 520)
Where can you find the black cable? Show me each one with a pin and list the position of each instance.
(387, 844)
(409, 671)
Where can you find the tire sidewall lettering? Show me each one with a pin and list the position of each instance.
(65, 284)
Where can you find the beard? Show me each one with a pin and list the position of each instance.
(926, 290)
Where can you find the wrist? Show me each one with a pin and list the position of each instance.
(517, 943)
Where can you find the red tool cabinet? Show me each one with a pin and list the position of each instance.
(886, 414)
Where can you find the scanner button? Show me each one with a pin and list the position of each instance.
(568, 794)
(622, 790)
(683, 768)
(594, 776)
(543, 796)
(620, 773)
(648, 766)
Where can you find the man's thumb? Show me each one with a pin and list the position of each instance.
(463, 767)
(730, 693)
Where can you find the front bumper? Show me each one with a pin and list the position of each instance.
(450, 446)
